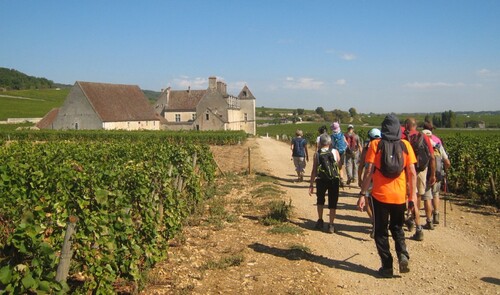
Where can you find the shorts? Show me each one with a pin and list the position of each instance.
(332, 187)
(432, 191)
(422, 182)
(300, 163)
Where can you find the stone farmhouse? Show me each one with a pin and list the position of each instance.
(209, 109)
(103, 106)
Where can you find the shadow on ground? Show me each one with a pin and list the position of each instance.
(298, 254)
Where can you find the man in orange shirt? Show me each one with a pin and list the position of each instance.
(389, 192)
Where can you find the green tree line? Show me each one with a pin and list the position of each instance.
(14, 80)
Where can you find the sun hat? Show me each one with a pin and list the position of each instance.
(350, 126)
(335, 127)
(374, 133)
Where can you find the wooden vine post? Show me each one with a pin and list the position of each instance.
(66, 253)
(249, 162)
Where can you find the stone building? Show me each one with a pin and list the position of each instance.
(209, 109)
(103, 106)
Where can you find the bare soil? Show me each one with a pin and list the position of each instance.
(237, 254)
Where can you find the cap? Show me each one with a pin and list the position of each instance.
(350, 126)
(374, 133)
(427, 132)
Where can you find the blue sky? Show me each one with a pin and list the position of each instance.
(376, 56)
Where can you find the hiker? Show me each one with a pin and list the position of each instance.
(321, 130)
(299, 154)
(390, 166)
(353, 151)
(325, 173)
(423, 150)
(340, 144)
(374, 133)
(431, 196)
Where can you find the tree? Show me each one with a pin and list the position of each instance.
(436, 121)
(300, 112)
(353, 112)
(448, 119)
(340, 115)
(320, 111)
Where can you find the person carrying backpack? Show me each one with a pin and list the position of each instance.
(373, 133)
(353, 151)
(431, 200)
(340, 144)
(325, 173)
(423, 150)
(390, 166)
(299, 154)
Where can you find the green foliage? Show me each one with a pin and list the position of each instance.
(130, 198)
(279, 211)
(174, 137)
(12, 79)
(224, 262)
(475, 165)
(285, 228)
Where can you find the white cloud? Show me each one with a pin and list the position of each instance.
(341, 82)
(348, 56)
(485, 73)
(302, 83)
(235, 87)
(185, 82)
(428, 85)
(343, 55)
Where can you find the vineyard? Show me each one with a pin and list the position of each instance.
(128, 193)
(475, 158)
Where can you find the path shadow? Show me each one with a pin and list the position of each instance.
(299, 254)
(494, 281)
(340, 229)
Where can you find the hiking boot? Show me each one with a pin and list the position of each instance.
(428, 225)
(372, 233)
(435, 218)
(348, 181)
(418, 236)
(319, 224)
(403, 264)
(331, 229)
(410, 224)
(386, 272)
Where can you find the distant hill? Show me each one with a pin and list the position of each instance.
(11, 79)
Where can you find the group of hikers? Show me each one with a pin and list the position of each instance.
(396, 168)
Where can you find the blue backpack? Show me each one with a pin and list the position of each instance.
(338, 142)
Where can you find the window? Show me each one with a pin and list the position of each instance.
(246, 117)
(245, 94)
(177, 117)
(193, 116)
(76, 126)
(207, 116)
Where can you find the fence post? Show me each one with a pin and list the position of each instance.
(249, 162)
(66, 253)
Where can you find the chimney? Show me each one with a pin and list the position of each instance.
(219, 86)
(212, 83)
(224, 89)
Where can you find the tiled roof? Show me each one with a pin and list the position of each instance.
(118, 102)
(184, 100)
(245, 93)
(46, 122)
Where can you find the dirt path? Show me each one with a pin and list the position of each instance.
(461, 258)
(237, 254)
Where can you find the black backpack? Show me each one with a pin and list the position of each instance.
(392, 159)
(327, 166)
(421, 150)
